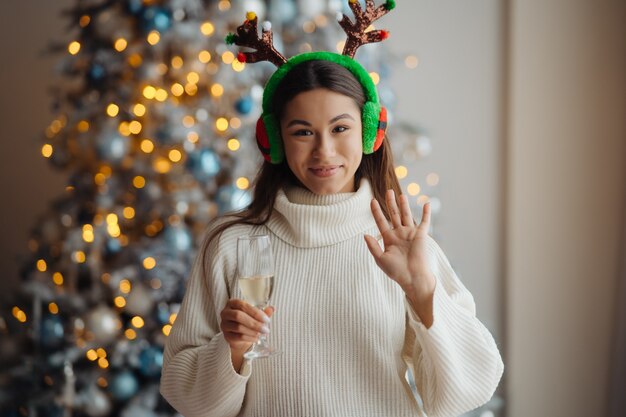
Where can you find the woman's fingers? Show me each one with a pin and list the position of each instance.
(242, 318)
(379, 217)
(425, 223)
(392, 208)
(405, 209)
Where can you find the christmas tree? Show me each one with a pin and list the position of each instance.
(155, 129)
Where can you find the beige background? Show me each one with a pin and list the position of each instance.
(525, 102)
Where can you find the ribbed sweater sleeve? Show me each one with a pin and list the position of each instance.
(456, 363)
(198, 377)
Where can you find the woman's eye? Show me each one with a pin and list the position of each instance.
(302, 132)
(340, 129)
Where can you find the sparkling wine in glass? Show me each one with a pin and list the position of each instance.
(255, 276)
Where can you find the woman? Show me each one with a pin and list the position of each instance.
(351, 317)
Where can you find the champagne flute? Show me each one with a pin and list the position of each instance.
(255, 276)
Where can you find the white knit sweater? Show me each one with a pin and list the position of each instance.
(346, 330)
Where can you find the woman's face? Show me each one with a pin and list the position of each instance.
(321, 132)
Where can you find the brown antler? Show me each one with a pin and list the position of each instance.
(364, 18)
(248, 35)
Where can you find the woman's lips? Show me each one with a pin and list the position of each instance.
(327, 171)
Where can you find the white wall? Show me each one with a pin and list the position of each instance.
(565, 195)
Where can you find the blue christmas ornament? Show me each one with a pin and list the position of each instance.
(123, 385)
(204, 164)
(163, 313)
(135, 6)
(151, 361)
(177, 239)
(244, 105)
(112, 147)
(51, 331)
(112, 246)
(156, 18)
(231, 198)
(96, 73)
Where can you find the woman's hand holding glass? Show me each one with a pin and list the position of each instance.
(242, 324)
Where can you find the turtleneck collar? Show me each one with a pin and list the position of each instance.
(304, 219)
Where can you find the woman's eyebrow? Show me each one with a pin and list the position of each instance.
(333, 120)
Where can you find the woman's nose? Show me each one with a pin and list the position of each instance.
(324, 145)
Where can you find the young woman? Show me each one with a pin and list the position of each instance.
(362, 293)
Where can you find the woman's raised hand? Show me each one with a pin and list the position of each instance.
(404, 259)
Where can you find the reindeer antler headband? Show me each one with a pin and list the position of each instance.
(374, 116)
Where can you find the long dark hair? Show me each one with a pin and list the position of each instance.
(377, 167)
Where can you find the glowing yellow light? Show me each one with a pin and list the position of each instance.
(207, 28)
(177, 62)
(161, 165)
(149, 262)
(172, 318)
(91, 355)
(375, 77)
(120, 44)
(204, 56)
(193, 77)
(233, 144)
(137, 322)
(167, 329)
(102, 382)
(221, 124)
(235, 123)
(103, 363)
(46, 150)
(177, 89)
(124, 128)
(340, 46)
(139, 181)
(84, 21)
(147, 146)
(101, 353)
(191, 89)
(99, 178)
(238, 66)
(134, 127)
(88, 235)
(243, 183)
(129, 212)
(139, 109)
(413, 189)
(57, 278)
(73, 47)
(154, 37)
(112, 218)
(149, 92)
(224, 5)
(175, 155)
(432, 179)
(83, 126)
(130, 334)
(422, 199)
(135, 60)
(411, 61)
(308, 27)
(119, 301)
(161, 95)
(125, 286)
(41, 265)
(228, 57)
(162, 68)
(401, 171)
(53, 308)
(113, 109)
(217, 90)
(114, 230)
(79, 256)
(193, 137)
(188, 121)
